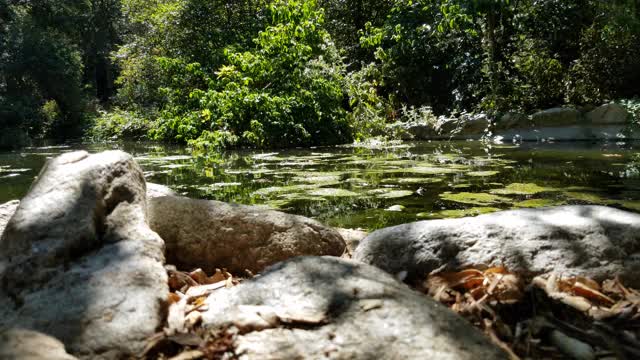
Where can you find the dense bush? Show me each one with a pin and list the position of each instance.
(286, 91)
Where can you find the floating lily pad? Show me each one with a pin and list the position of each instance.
(318, 179)
(282, 189)
(631, 205)
(474, 211)
(536, 203)
(419, 181)
(430, 170)
(587, 197)
(482, 173)
(251, 171)
(332, 192)
(522, 189)
(474, 198)
(395, 194)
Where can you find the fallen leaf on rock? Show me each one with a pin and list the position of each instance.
(204, 290)
(176, 317)
(189, 355)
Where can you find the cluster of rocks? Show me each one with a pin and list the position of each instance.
(607, 122)
(82, 269)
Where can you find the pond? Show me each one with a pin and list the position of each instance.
(374, 187)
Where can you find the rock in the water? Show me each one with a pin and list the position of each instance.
(608, 114)
(594, 241)
(78, 261)
(6, 212)
(513, 120)
(322, 307)
(213, 234)
(157, 190)
(20, 344)
(556, 117)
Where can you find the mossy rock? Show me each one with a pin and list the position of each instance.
(474, 198)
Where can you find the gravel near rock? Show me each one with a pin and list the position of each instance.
(212, 234)
(78, 261)
(324, 307)
(594, 241)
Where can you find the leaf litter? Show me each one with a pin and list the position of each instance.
(549, 316)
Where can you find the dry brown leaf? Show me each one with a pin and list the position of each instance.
(176, 317)
(203, 290)
(587, 292)
(173, 298)
(199, 276)
(217, 277)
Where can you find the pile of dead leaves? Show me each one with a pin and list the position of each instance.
(182, 338)
(547, 317)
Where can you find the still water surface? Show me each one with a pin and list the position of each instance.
(370, 188)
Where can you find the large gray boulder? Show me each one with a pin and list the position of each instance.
(213, 234)
(6, 212)
(322, 307)
(594, 241)
(608, 114)
(556, 117)
(9, 208)
(20, 344)
(78, 261)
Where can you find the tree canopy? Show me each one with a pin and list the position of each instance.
(268, 73)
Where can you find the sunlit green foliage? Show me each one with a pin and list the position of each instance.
(286, 91)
